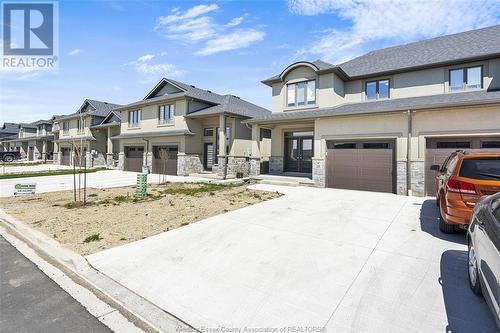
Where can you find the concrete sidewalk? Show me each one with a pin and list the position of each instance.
(4, 169)
(349, 261)
(99, 179)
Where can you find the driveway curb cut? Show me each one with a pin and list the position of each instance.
(142, 313)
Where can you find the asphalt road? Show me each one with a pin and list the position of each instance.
(32, 302)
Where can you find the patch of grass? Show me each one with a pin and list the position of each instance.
(120, 199)
(92, 195)
(47, 173)
(201, 188)
(92, 238)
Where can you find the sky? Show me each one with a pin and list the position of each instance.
(116, 51)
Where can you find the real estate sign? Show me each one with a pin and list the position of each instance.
(24, 188)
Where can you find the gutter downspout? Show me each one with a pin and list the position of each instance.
(408, 155)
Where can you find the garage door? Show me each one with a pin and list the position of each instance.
(438, 149)
(366, 165)
(133, 159)
(165, 160)
(65, 156)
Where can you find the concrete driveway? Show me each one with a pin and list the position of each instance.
(99, 179)
(32, 168)
(346, 260)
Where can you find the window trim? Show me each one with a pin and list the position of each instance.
(171, 110)
(65, 131)
(306, 102)
(208, 129)
(139, 119)
(377, 90)
(465, 78)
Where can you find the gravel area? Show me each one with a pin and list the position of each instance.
(114, 216)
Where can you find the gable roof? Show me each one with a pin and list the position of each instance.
(113, 118)
(100, 109)
(445, 50)
(480, 97)
(10, 128)
(218, 103)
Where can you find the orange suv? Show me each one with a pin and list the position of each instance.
(463, 178)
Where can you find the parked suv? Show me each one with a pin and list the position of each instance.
(483, 238)
(462, 180)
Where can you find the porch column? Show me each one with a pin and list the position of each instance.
(44, 150)
(222, 162)
(56, 153)
(109, 150)
(255, 153)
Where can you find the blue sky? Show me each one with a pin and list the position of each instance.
(116, 51)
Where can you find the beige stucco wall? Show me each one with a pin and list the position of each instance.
(73, 128)
(332, 91)
(149, 118)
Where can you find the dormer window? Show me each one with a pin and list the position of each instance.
(466, 78)
(301, 93)
(377, 89)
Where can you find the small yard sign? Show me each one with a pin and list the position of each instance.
(24, 188)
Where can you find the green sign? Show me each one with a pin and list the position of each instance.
(142, 185)
(25, 188)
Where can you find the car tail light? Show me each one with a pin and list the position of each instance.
(458, 186)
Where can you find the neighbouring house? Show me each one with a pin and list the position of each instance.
(84, 136)
(35, 141)
(379, 121)
(179, 129)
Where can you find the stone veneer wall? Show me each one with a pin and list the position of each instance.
(121, 161)
(219, 167)
(57, 157)
(401, 177)
(318, 172)
(99, 159)
(275, 165)
(254, 166)
(417, 173)
(236, 164)
(188, 163)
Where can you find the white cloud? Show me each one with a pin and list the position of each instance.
(145, 57)
(235, 40)
(234, 22)
(196, 26)
(387, 23)
(74, 52)
(188, 14)
(152, 70)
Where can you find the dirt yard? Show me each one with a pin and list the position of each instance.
(114, 216)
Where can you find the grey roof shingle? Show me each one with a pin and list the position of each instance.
(399, 104)
(101, 109)
(465, 45)
(9, 128)
(221, 103)
(455, 48)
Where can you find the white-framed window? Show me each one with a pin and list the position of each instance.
(377, 89)
(209, 131)
(166, 114)
(301, 93)
(81, 124)
(65, 127)
(466, 78)
(134, 118)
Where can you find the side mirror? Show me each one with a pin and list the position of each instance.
(435, 167)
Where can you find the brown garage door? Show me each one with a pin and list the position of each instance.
(65, 156)
(165, 160)
(363, 165)
(133, 158)
(438, 149)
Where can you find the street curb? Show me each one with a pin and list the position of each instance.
(142, 313)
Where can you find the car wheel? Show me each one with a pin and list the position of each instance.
(443, 226)
(8, 158)
(474, 283)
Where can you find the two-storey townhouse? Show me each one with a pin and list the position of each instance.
(179, 129)
(378, 121)
(81, 139)
(34, 140)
